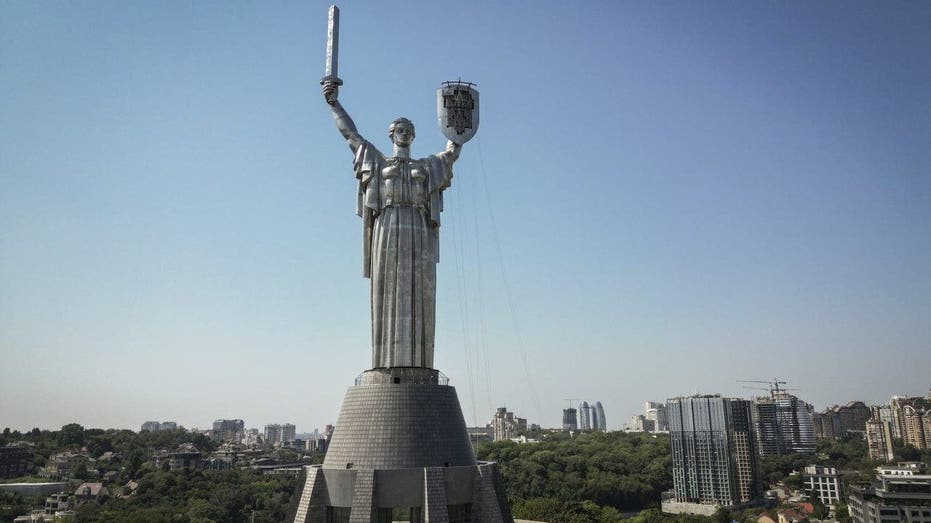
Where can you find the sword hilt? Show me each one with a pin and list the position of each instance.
(331, 79)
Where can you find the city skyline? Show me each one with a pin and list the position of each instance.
(697, 195)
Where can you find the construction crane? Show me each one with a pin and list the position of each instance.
(570, 400)
(774, 386)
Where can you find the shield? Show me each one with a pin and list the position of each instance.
(457, 111)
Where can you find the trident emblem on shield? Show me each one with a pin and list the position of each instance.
(457, 110)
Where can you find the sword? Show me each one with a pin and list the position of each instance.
(332, 49)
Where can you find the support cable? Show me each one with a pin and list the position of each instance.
(507, 286)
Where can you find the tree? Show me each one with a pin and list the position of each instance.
(80, 471)
(841, 513)
(71, 434)
(722, 515)
(909, 453)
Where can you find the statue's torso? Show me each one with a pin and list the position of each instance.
(404, 182)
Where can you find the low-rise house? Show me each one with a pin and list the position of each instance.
(187, 457)
(90, 492)
(767, 517)
(63, 464)
(161, 457)
(57, 503)
(805, 507)
(109, 456)
(130, 488)
(791, 515)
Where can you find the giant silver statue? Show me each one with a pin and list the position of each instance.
(401, 440)
(400, 199)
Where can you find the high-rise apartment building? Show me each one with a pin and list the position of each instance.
(288, 432)
(505, 425)
(154, 426)
(585, 419)
(783, 425)
(569, 420)
(599, 422)
(884, 413)
(714, 455)
(913, 427)
(908, 419)
(228, 430)
(251, 437)
(838, 420)
(656, 412)
(879, 439)
(273, 434)
(640, 423)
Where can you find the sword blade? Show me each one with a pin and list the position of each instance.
(332, 43)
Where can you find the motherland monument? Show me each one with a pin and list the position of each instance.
(400, 450)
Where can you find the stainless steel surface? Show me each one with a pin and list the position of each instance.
(331, 74)
(332, 42)
(457, 111)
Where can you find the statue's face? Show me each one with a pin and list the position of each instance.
(403, 134)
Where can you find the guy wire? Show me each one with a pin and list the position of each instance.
(507, 286)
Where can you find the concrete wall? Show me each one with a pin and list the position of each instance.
(35, 489)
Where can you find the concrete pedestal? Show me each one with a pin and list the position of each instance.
(401, 442)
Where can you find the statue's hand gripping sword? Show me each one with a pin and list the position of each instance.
(332, 49)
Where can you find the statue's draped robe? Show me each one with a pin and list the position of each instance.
(400, 201)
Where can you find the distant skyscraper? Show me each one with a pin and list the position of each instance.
(251, 437)
(154, 426)
(569, 421)
(273, 434)
(656, 412)
(600, 423)
(714, 459)
(914, 427)
(884, 413)
(783, 425)
(505, 425)
(907, 414)
(229, 430)
(639, 423)
(288, 432)
(585, 416)
(879, 439)
(836, 421)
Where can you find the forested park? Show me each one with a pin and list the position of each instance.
(586, 478)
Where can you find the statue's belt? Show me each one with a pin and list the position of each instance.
(420, 206)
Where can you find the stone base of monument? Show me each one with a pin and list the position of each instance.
(401, 446)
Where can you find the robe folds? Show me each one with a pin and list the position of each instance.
(400, 201)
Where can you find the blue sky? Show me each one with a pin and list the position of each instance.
(684, 195)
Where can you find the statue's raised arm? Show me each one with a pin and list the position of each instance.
(343, 121)
(331, 83)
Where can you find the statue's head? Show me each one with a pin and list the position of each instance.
(401, 132)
